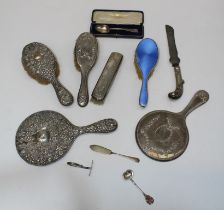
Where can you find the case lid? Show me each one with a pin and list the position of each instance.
(118, 17)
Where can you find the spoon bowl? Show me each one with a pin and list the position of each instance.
(128, 174)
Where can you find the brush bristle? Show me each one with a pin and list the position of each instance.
(34, 76)
(41, 80)
(57, 71)
(139, 73)
(77, 66)
(96, 101)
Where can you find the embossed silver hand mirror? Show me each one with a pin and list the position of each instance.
(163, 135)
(46, 136)
(40, 63)
(85, 55)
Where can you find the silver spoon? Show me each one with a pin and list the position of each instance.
(128, 175)
(104, 29)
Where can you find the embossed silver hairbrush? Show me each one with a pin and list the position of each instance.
(40, 63)
(85, 55)
(46, 136)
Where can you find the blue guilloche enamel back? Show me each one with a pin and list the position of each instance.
(146, 56)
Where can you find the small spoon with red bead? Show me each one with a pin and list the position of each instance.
(128, 175)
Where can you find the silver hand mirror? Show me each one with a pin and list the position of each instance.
(163, 135)
(85, 55)
(40, 63)
(46, 136)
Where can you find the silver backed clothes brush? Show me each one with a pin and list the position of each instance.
(106, 151)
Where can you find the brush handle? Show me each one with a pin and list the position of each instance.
(199, 98)
(83, 95)
(102, 126)
(143, 99)
(64, 96)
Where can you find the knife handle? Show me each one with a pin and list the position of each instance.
(179, 84)
(135, 159)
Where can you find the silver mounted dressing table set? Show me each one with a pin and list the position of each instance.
(46, 136)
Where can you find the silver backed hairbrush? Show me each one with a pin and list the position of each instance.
(40, 63)
(85, 55)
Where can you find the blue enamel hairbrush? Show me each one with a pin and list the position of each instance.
(146, 56)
